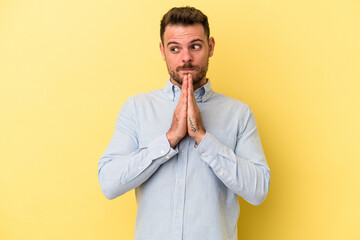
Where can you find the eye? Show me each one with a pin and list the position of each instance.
(195, 46)
(174, 49)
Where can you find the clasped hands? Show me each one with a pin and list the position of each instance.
(187, 117)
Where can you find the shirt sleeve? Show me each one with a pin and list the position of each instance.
(125, 166)
(244, 170)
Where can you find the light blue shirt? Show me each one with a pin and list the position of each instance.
(190, 192)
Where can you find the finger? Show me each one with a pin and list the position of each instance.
(186, 83)
(190, 89)
(183, 87)
(184, 90)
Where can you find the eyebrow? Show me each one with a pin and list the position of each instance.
(192, 41)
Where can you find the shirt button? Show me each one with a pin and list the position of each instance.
(182, 151)
(180, 181)
(177, 211)
(167, 157)
(140, 168)
(203, 154)
(221, 173)
(162, 151)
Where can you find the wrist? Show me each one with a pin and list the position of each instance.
(173, 141)
(199, 137)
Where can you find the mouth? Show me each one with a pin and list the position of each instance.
(187, 70)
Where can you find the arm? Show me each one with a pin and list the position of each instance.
(244, 170)
(124, 165)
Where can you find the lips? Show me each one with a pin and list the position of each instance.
(186, 69)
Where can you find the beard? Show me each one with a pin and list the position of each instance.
(197, 77)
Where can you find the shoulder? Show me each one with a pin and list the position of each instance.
(148, 96)
(138, 102)
(229, 102)
(141, 101)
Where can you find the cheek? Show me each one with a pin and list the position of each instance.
(203, 59)
(172, 62)
(202, 56)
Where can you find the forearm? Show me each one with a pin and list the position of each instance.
(248, 178)
(121, 173)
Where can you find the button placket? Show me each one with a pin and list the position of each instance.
(179, 193)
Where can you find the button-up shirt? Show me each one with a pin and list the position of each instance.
(189, 192)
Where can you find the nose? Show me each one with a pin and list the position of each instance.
(187, 57)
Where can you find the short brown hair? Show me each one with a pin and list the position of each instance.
(184, 16)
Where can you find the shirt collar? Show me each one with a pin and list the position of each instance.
(201, 94)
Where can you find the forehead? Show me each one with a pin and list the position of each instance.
(181, 33)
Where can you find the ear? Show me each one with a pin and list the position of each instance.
(162, 50)
(211, 46)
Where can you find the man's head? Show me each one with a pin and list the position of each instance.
(185, 44)
(184, 16)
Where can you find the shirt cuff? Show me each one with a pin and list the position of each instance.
(209, 148)
(160, 149)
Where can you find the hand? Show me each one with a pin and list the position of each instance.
(195, 126)
(178, 127)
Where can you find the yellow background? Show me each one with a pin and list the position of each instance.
(66, 68)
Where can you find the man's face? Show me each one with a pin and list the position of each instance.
(186, 50)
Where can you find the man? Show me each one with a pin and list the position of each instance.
(187, 150)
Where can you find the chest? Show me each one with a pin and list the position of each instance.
(154, 118)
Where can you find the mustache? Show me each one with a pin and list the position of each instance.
(188, 66)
